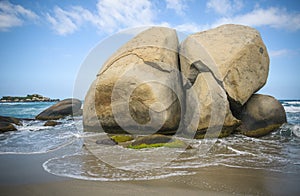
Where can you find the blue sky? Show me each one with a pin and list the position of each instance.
(44, 43)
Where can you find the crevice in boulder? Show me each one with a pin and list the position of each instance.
(156, 66)
(235, 107)
(198, 67)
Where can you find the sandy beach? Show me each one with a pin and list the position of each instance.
(24, 175)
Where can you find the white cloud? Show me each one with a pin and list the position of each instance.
(117, 14)
(224, 7)
(283, 53)
(178, 6)
(111, 16)
(68, 21)
(190, 27)
(272, 17)
(13, 15)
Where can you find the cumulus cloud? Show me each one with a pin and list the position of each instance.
(116, 14)
(224, 7)
(178, 6)
(68, 21)
(272, 17)
(12, 15)
(283, 53)
(190, 27)
(111, 16)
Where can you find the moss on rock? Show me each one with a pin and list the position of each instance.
(121, 138)
(174, 144)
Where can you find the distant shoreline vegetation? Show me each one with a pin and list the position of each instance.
(28, 98)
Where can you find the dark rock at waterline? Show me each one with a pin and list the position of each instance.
(6, 123)
(5, 126)
(61, 109)
(51, 123)
(10, 120)
(107, 142)
(261, 115)
(152, 139)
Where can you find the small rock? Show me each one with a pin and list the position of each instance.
(6, 126)
(152, 139)
(10, 120)
(107, 142)
(51, 123)
(6, 123)
(121, 138)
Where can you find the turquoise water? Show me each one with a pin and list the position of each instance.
(23, 110)
(83, 159)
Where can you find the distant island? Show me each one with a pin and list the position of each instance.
(28, 98)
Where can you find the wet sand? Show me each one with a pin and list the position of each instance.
(24, 175)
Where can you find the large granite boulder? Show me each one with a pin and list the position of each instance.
(261, 115)
(8, 123)
(138, 89)
(61, 109)
(205, 92)
(235, 54)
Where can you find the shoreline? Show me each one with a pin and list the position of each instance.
(24, 174)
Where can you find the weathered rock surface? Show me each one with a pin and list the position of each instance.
(261, 115)
(7, 123)
(213, 107)
(91, 121)
(61, 109)
(138, 89)
(235, 54)
(205, 92)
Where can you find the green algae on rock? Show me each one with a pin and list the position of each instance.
(121, 138)
(157, 140)
(174, 144)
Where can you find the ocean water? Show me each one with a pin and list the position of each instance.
(82, 158)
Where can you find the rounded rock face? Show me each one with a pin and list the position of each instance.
(261, 115)
(61, 109)
(138, 89)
